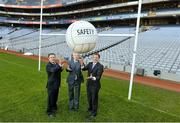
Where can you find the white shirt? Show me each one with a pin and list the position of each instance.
(93, 65)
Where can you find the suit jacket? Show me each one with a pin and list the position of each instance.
(96, 72)
(54, 75)
(75, 73)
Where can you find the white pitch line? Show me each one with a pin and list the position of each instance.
(150, 107)
(134, 101)
(18, 64)
(156, 109)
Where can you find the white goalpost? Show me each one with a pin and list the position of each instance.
(136, 35)
(135, 49)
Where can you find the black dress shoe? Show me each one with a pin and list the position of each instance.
(54, 111)
(89, 110)
(51, 115)
(71, 109)
(93, 114)
(76, 109)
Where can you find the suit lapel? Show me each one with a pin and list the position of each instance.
(72, 64)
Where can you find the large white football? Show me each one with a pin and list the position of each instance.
(81, 36)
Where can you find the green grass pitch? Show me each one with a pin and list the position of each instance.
(23, 97)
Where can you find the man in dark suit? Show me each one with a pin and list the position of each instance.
(53, 69)
(95, 70)
(74, 80)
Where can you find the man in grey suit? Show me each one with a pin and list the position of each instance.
(74, 80)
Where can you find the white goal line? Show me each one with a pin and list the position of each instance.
(101, 35)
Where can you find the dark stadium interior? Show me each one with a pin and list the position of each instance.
(33, 14)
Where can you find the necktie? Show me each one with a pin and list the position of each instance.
(75, 62)
(93, 65)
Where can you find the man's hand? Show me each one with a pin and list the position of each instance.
(57, 61)
(81, 61)
(68, 68)
(60, 62)
(91, 77)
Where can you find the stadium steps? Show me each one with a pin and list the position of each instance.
(45, 46)
(105, 48)
(175, 61)
(16, 29)
(23, 35)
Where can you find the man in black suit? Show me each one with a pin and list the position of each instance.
(74, 80)
(95, 70)
(53, 69)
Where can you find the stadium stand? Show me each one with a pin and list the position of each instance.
(158, 47)
(28, 2)
(159, 41)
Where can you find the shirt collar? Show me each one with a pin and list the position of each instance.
(52, 62)
(94, 63)
(75, 61)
